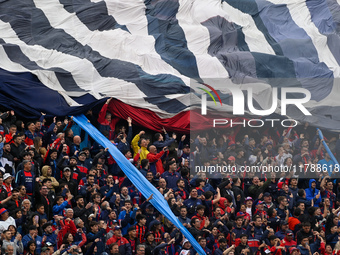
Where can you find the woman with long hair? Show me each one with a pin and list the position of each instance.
(31, 248)
(68, 240)
(40, 151)
(13, 231)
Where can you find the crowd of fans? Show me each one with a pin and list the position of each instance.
(63, 193)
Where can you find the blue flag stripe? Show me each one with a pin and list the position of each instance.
(93, 15)
(15, 54)
(139, 181)
(170, 44)
(63, 42)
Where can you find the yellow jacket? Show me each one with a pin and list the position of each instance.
(144, 151)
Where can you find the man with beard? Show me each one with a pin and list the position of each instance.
(49, 235)
(76, 174)
(81, 211)
(71, 183)
(9, 162)
(180, 190)
(88, 188)
(110, 184)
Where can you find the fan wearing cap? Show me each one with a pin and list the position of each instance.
(5, 220)
(183, 151)
(7, 183)
(82, 166)
(231, 161)
(249, 205)
(260, 210)
(267, 199)
(123, 244)
(3, 192)
(150, 243)
(283, 229)
(186, 246)
(294, 251)
(288, 241)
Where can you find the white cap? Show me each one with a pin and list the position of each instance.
(185, 241)
(7, 175)
(252, 159)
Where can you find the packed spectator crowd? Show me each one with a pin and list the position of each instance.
(63, 193)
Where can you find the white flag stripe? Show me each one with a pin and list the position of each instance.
(137, 49)
(198, 40)
(253, 37)
(300, 14)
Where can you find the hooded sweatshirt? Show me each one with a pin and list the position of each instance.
(55, 183)
(311, 193)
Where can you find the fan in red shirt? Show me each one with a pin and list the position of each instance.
(288, 241)
(200, 215)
